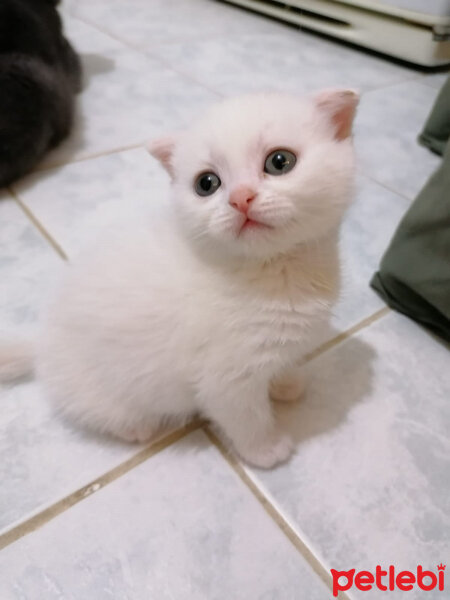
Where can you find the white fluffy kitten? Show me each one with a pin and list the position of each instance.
(208, 309)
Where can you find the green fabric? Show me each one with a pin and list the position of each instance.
(437, 128)
(414, 275)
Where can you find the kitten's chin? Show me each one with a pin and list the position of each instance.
(258, 241)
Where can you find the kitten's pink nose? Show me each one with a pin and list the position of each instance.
(241, 197)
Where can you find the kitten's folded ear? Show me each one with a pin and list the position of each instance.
(340, 105)
(162, 149)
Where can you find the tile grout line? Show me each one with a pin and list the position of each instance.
(38, 225)
(410, 78)
(345, 335)
(385, 185)
(57, 165)
(427, 83)
(54, 510)
(192, 78)
(274, 514)
(147, 53)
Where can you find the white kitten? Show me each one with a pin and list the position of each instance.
(207, 309)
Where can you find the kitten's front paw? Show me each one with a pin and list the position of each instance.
(136, 435)
(269, 453)
(288, 388)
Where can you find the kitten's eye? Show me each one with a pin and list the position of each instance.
(206, 184)
(279, 162)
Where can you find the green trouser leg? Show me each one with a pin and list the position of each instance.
(437, 128)
(414, 275)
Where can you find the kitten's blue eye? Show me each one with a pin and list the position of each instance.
(279, 162)
(206, 184)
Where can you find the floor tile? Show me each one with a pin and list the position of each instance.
(369, 482)
(145, 24)
(436, 80)
(181, 525)
(87, 39)
(27, 266)
(290, 61)
(366, 232)
(128, 97)
(45, 458)
(42, 458)
(74, 202)
(388, 123)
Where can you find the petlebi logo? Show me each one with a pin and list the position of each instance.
(389, 579)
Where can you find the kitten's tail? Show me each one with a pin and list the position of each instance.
(16, 360)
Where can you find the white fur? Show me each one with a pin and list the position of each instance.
(187, 315)
(16, 360)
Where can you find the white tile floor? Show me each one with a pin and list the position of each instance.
(86, 518)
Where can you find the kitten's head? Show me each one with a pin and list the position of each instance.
(262, 173)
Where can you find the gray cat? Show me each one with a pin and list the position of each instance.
(40, 74)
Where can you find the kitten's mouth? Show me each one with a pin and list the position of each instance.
(252, 225)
